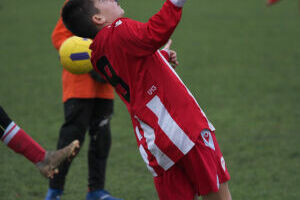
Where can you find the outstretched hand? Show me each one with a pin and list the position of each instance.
(172, 54)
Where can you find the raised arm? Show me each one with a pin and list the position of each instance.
(146, 38)
(178, 3)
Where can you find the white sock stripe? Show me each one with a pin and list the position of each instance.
(7, 130)
(169, 126)
(178, 3)
(12, 134)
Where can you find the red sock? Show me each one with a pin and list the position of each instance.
(19, 141)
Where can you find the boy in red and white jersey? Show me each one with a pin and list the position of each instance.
(174, 136)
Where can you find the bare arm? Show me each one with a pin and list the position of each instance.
(178, 3)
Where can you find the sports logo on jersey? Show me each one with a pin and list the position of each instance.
(223, 163)
(152, 90)
(207, 138)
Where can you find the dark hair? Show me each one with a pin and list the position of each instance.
(77, 17)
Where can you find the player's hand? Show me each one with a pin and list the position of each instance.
(172, 54)
(173, 58)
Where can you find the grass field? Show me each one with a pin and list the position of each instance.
(240, 59)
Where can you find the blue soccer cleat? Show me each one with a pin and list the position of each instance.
(53, 194)
(100, 195)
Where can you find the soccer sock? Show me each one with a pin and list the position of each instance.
(18, 140)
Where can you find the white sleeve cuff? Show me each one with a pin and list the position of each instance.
(178, 3)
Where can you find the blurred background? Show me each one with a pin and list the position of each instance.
(240, 59)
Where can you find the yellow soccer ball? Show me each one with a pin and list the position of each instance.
(75, 55)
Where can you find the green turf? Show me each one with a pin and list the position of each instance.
(240, 59)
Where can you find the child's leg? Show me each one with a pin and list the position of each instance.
(205, 167)
(18, 140)
(222, 194)
(201, 172)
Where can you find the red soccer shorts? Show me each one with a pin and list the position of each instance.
(199, 172)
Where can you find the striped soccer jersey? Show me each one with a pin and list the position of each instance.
(166, 118)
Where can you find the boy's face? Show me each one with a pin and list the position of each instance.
(110, 10)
